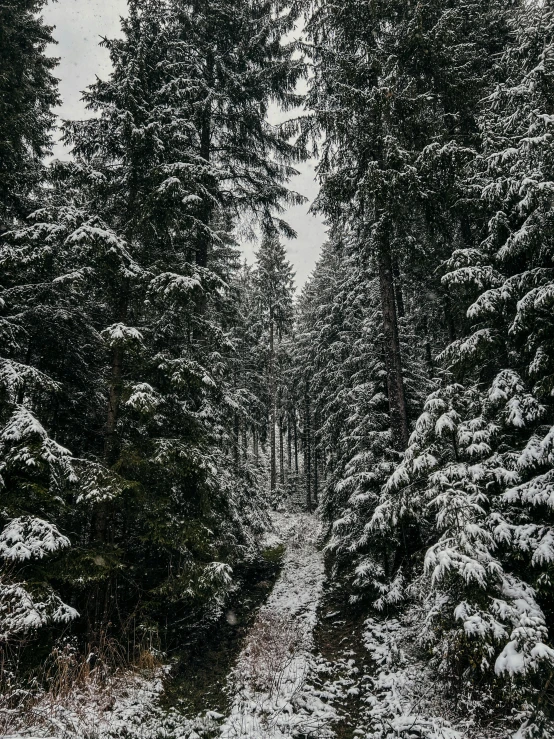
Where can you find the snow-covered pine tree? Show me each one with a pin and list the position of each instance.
(59, 269)
(274, 290)
(133, 286)
(338, 354)
(28, 94)
(396, 91)
(36, 472)
(395, 88)
(167, 157)
(231, 60)
(479, 465)
(36, 475)
(248, 372)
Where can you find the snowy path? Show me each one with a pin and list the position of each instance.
(272, 696)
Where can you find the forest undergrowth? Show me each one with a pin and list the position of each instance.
(307, 663)
(262, 691)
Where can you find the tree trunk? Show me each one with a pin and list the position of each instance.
(428, 350)
(101, 513)
(398, 290)
(281, 451)
(316, 460)
(393, 364)
(99, 600)
(307, 450)
(205, 210)
(273, 470)
(289, 445)
(23, 386)
(114, 396)
(316, 481)
(448, 317)
(236, 439)
(295, 443)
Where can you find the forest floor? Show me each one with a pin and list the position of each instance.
(294, 659)
(249, 678)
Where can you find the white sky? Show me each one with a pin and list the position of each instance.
(79, 26)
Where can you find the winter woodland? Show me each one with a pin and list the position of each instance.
(231, 509)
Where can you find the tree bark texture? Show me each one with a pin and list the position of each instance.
(281, 450)
(393, 362)
(295, 423)
(205, 214)
(307, 450)
(273, 470)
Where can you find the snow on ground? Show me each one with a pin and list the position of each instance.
(272, 688)
(403, 697)
(272, 683)
(118, 709)
(280, 687)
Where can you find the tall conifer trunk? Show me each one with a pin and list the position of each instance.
(101, 514)
(114, 395)
(316, 459)
(316, 479)
(307, 450)
(281, 451)
(398, 289)
(236, 439)
(273, 470)
(203, 239)
(393, 361)
(295, 423)
(289, 445)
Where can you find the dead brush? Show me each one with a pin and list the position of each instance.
(142, 649)
(73, 685)
(147, 660)
(270, 650)
(304, 535)
(15, 696)
(67, 668)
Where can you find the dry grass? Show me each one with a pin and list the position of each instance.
(72, 688)
(272, 644)
(305, 534)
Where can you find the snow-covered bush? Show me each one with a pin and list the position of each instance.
(33, 468)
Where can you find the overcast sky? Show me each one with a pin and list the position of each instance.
(79, 26)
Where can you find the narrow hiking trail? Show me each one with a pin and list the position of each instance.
(273, 694)
(268, 690)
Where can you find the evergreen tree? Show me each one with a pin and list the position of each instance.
(149, 383)
(229, 62)
(480, 456)
(135, 289)
(396, 88)
(274, 282)
(339, 356)
(36, 471)
(28, 94)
